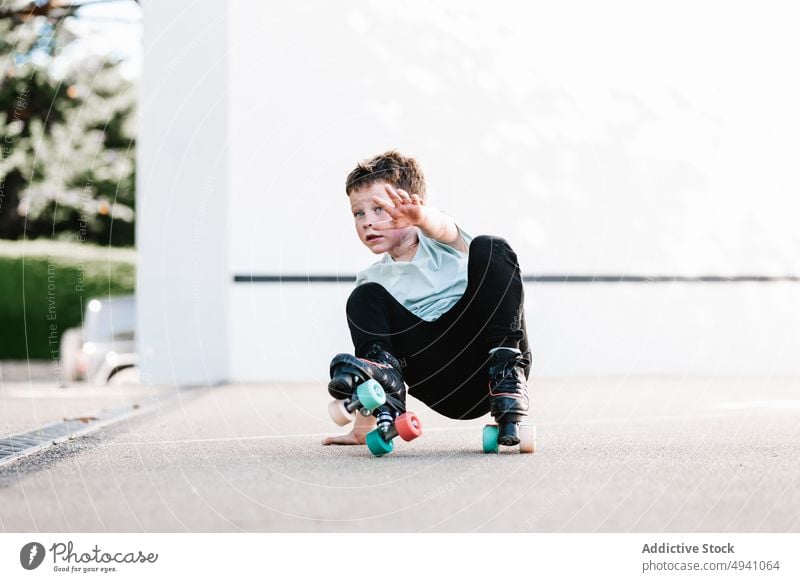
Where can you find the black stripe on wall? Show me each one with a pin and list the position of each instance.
(544, 279)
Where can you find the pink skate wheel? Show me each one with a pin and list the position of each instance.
(408, 426)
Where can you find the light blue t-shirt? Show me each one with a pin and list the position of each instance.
(429, 284)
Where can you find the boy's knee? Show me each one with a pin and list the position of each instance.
(486, 247)
(368, 292)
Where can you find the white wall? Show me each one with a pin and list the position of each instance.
(661, 142)
(621, 138)
(182, 194)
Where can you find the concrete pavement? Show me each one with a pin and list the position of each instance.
(615, 454)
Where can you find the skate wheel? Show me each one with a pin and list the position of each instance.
(527, 438)
(370, 394)
(408, 426)
(376, 445)
(339, 413)
(490, 444)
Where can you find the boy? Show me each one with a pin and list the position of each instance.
(441, 311)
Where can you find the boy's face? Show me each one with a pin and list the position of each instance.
(366, 213)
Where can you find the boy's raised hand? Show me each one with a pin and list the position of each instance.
(404, 209)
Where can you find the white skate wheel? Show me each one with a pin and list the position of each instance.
(527, 438)
(339, 412)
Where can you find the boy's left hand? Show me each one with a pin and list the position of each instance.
(405, 209)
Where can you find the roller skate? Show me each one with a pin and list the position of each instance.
(372, 386)
(508, 391)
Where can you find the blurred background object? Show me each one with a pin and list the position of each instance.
(69, 75)
(68, 117)
(105, 345)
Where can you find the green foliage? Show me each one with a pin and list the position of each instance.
(45, 289)
(67, 166)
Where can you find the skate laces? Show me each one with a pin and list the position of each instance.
(381, 358)
(378, 364)
(384, 360)
(503, 374)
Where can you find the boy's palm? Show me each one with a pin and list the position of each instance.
(405, 209)
(356, 436)
(351, 438)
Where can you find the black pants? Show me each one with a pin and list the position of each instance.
(445, 361)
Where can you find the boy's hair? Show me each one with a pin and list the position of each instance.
(392, 167)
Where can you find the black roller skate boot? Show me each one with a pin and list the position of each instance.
(348, 372)
(508, 391)
(373, 385)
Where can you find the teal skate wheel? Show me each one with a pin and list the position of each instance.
(376, 445)
(370, 394)
(490, 444)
